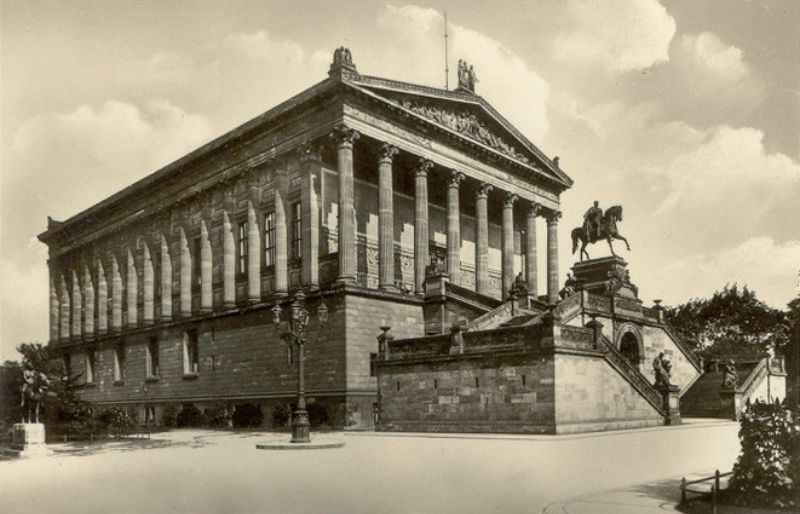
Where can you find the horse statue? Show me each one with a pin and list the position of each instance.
(35, 387)
(606, 228)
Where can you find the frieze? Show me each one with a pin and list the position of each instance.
(467, 124)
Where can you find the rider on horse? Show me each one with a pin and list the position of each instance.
(592, 222)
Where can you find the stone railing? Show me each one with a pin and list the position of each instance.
(633, 375)
(576, 338)
(569, 306)
(598, 303)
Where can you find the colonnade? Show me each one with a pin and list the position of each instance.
(72, 312)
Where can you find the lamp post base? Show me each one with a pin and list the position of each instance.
(301, 427)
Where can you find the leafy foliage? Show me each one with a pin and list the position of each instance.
(116, 420)
(767, 472)
(281, 416)
(169, 418)
(732, 324)
(217, 416)
(190, 416)
(247, 415)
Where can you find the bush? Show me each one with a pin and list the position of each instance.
(766, 473)
(169, 417)
(218, 416)
(318, 416)
(115, 420)
(281, 416)
(247, 415)
(190, 416)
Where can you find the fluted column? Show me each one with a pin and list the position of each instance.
(552, 257)
(228, 262)
(54, 306)
(421, 251)
(116, 294)
(253, 255)
(186, 275)
(508, 243)
(531, 271)
(166, 280)
(386, 217)
(102, 299)
(75, 328)
(311, 179)
(281, 190)
(148, 285)
(206, 291)
(454, 227)
(132, 283)
(345, 139)
(88, 301)
(64, 314)
(482, 239)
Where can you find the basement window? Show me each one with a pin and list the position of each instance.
(436, 383)
(477, 382)
(524, 380)
(398, 386)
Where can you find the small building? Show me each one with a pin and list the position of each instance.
(161, 295)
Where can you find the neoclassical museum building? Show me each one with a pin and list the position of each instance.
(407, 211)
(162, 293)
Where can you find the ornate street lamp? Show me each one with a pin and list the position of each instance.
(296, 334)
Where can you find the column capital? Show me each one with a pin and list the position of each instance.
(455, 178)
(553, 217)
(344, 136)
(509, 200)
(308, 152)
(534, 209)
(386, 153)
(423, 167)
(484, 189)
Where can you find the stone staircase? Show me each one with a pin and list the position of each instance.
(702, 400)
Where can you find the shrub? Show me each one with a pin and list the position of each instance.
(169, 417)
(217, 416)
(317, 416)
(766, 472)
(247, 415)
(281, 416)
(190, 416)
(115, 420)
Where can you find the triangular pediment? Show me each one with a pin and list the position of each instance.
(466, 115)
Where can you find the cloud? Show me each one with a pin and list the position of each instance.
(699, 276)
(505, 79)
(633, 35)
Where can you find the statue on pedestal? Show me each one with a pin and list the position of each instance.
(519, 287)
(598, 226)
(35, 386)
(729, 376)
(571, 286)
(662, 369)
(466, 76)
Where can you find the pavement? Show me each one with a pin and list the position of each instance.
(210, 471)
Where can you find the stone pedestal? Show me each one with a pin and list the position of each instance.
(607, 275)
(28, 440)
(670, 395)
(730, 402)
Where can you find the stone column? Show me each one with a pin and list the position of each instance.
(116, 294)
(281, 190)
(166, 281)
(454, 227)
(132, 283)
(312, 176)
(482, 239)
(54, 306)
(88, 299)
(64, 315)
(552, 257)
(148, 285)
(253, 255)
(102, 299)
(186, 274)
(75, 329)
(421, 251)
(531, 271)
(228, 262)
(345, 139)
(386, 216)
(508, 243)
(206, 284)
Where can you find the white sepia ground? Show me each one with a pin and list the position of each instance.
(216, 472)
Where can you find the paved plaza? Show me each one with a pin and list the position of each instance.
(207, 471)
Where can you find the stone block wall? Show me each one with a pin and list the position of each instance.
(657, 340)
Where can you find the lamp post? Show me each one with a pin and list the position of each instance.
(296, 334)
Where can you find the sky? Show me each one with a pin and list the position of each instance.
(685, 113)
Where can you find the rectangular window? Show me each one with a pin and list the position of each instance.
(119, 363)
(68, 366)
(191, 358)
(241, 248)
(269, 239)
(151, 356)
(297, 234)
(89, 373)
(372, 358)
(196, 267)
(156, 261)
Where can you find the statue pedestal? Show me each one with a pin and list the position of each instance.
(28, 440)
(671, 403)
(730, 401)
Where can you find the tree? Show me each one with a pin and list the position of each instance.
(732, 324)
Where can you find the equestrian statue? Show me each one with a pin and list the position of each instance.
(34, 390)
(598, 226)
